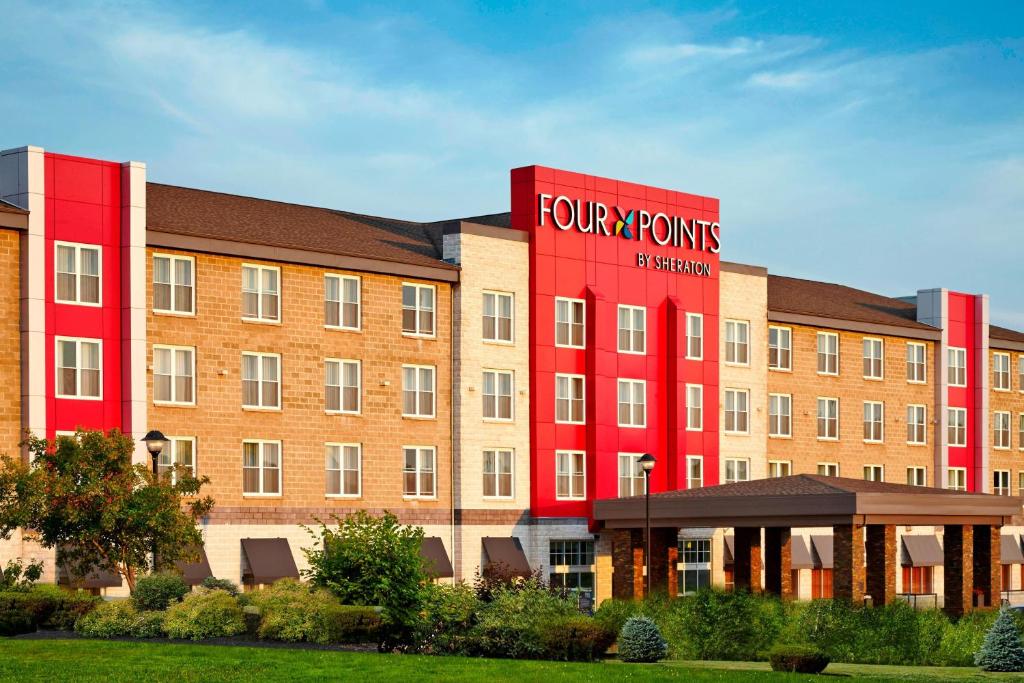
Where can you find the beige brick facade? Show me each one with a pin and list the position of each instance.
(1011, 401)
(10, 341)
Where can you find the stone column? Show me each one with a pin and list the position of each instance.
(664, 557)
(848, 580)
(988, 576)
(747, 559)
(628, 564)
(958, 568)
(880, 571)
(778, 562)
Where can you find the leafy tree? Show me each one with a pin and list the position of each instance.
(1002, 649)
(85, 496)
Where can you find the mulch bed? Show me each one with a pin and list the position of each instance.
(236, 640)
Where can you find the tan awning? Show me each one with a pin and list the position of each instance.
(729, 553)
(267, 560)
(195, 572)
(821, 557)
(922, 551)
(438, 564)
(799, 554)
(1010, 550)
(507, 551)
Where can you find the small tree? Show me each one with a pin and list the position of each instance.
(1002, 649)
(84, 496)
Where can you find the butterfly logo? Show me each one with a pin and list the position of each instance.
(624, 224)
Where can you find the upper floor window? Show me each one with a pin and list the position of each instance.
(569, 398)
(1020, 374)
(497, 470)
(780, 348)
(343, 469)
(828, 418)
(828, 469)
(261, 380)
(571, 553)
(79, 373)
(418, 304)
(874, 473)
(957, 426)
(694, 336)
(780, 415)
(694, 407)
(342, 301)
(498, 318)
(737, 411)
(632, 403)
(178, 452)
(916, 365)
(174, 284)
(631, 475)
(418, 480)
(779, 468)
(737, 342)
(956, 478)
(632, 329)
(1001, 482)
(261, 293)
(828, 353)
(1001, 430)
(957, 367)
(498, 389)
(917, 476)
(570, 475)
(874, 421)
(916, 425)
(873, 358)
(77, 267)
(418, 391)
(737, 469)
(569, 322)
(261, 468)
(174, 374)
(694, 471)
(342, 384)
(1001, 371)
(1020, 435)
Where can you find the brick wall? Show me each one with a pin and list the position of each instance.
(10, 341)
(1011, 401)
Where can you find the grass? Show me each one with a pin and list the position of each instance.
(91, 660)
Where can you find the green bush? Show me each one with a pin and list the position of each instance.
(159, 591)
(714, 624)
(212, 583)
(510, 625)
(575, 639)
(293, 612)
(205, 614)
(640, 641)
(449, 614)
(14, 622)
(49, 606)
(1001, 649)
(802, 659)
(962, 638)
(614, 613)
(121, 619)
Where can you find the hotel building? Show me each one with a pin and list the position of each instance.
(486, 378)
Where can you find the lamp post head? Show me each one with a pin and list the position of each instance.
(155, 442)
(647, 462)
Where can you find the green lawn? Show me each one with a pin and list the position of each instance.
(90, 660)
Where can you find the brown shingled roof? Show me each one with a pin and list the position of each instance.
(7, 207)
(1005, 334)
(826, 300)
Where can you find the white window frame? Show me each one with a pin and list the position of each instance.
(417, 390)
(912, 424)
(341, 469)
(77, 341)
(828, 400)
(342, 279)
(262, 466)
(78, 247)
(912, 479)
(734, 462)
(1020, 433)
(950, 412)
(957, 482)
(873, 406)
(498, 374)
(736, 393)
(420, 450)
(869, 345)
(998, 415)
(827, 354)
(691, 319)
(698, 406)
(778, 465)
(573, 494)
(779, 348)
(260, 380)
(690, 461)
(570, 306)
(170, 450)
(1020, 374)
(583, 400)
(496, 339)
(1001, 490)
(913, 349)
(191, 313)
(956, 365)
(631, 403)
(775, 431)
(874, 470)
(832, 467)
(736, 346)
(496, 474)
(417, 286)
(174, 350)
(342, 362)
(632, 461)
(997, 386)
(261, 315)
(631, 312)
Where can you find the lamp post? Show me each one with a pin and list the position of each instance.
(647, 462)
(155, 442)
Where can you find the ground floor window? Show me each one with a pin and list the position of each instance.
(1006, 576)
(577, 582)
(821, 583)
(572, 564)
(730, 577)
(694, 571)
(917, 580)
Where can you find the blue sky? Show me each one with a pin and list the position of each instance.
(877, 144)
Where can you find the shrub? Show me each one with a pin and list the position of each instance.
(121, 619)
(803, 659)
(575, 639)
(1002, 649)
(713, 624)
(963, 637)
(510, 625)
(449, 613)
(159, 591)
(15, 621)
(205, 614)
(213, 583)
(293, 612)
(50, 607)
(614, 613)
(641, 641)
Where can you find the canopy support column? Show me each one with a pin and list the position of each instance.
(987, 571)
(747, 559)
(881, 563)
(778, 562)
(848, 562)
(958, 568)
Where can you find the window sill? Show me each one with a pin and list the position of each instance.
(173, 314)
(622, 426)
(416, 335)
(498, 420)
(780, 369)
(1002, 391)
(412, 498)
(261, 495)
(571, 500)
(421, 418)
(78, 303)
(566, 422)
(174, 404)
(695, 429)
(693, 358)
(344, 413)
(736, 365)
(874, 443)
(780, 436)
(828, 438)
(343, 496)
(874, 379)
(1001, 448)
(260, 321)
(633, 353)
(259, 409)
(828, 374)
(339, 328)
(915, 443)
(499, 499)
(728, 433)
(498, 342)
(65, 397)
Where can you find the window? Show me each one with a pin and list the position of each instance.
(828, 353)
(341, 302)
(78, 368)
(498, 472)
(418, 391)
(1020, 431)
(497, 320)
(569, 325)
(576, 559)
(916, 420)
(261, 468)
(1001, 371)
(779, 468)
(343, 384)
(694, 471)
(261, 293)
(737, 411)
(957, 367)
(694, 336)
(957, 428)
(874, 358)
(418, 310)
(780, 348)
(694, 407)
(173, 284)
(178, 451)
(737, 342)
(344, 469)
(261, 380)
(632, 403)
(77, 269)
(570, 475)
(957, 478)
(573, 581)
(695, 557)
(780, 415)
(1020, 374)
(828, 469)
(1020, 483)
(632, 329)
(498, 395)
(737, 469)
(874, 422)
(917, 476)
(1001, 482)
(569, 399)
(418, 472)
(828, 418)
(917, 580)
(916, 366)
(874, 473)
(1001, 430)
(174, 375)
(631, 475)
(821, 583)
